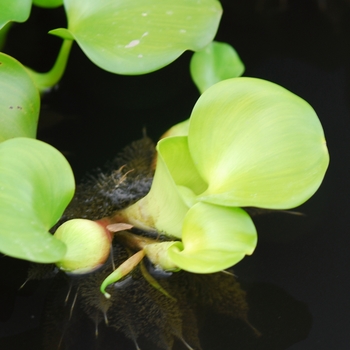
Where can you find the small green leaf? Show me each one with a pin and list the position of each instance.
(48, 3)
(140, 36)
(256, 144)
(36, 185)
(19, 100)
(214, 238)
(216, 62)
(14, 10)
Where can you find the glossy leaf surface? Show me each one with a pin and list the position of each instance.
(214, 238)
(256, 144)
(36, 184)
(218, 61)
(19, 100)
(14, 10)
(140, 36)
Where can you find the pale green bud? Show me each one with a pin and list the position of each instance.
(88, 245)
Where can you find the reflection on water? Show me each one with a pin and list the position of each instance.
(282, 320)
(204, 311)
(145, 316)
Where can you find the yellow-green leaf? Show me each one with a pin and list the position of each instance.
(36, 185)
(19, 100)
(140, 36)
(256, 144)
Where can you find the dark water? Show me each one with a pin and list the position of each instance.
(297, 281)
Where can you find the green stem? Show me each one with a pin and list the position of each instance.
(45, 81)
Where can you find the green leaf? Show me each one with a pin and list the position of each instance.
(214, 238)
(36, 185)
(164, 207)
(14, 10)
(48, 3)
(218, 61)
(257, 144)
(19, 100)
(174, 152)
(140, 36)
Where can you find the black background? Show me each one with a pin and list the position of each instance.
(302, 45)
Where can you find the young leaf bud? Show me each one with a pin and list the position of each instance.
(88, 245)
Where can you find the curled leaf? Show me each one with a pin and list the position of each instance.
(163, 208)
(214, 238)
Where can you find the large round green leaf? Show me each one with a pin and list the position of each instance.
(214, 238)
(140, 36)
(36, 185)
(19, 100)
(14, 10)
(257, 144)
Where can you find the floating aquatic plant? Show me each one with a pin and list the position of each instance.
(250, 143)
(126, 37)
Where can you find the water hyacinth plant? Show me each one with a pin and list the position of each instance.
(119, 36)
(249, 143)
